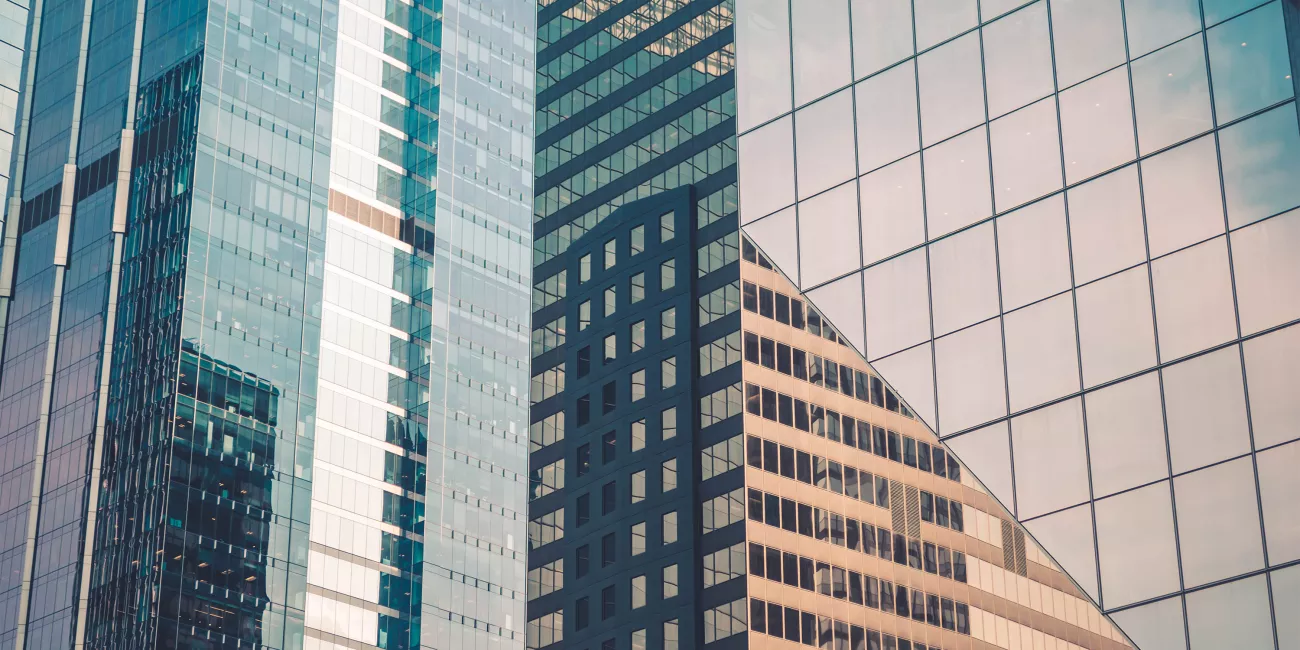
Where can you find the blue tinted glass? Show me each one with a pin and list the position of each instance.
(1248, 63)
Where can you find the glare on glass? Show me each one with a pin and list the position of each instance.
(1155, 626)
(1155, 23)
(1248, 63)
(1261, 160)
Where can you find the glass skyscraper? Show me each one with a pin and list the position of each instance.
(1066, 232)
(265, 326)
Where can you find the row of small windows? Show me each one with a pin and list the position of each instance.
(636, 546)
(818, 371)
(638, 389)
(637, 600)
(860, 589)
(825, 423)
(637, 493)
(786, 310)
(721, 404)
(849, 481)
(723, 565)
(546, 479)
(722, 457)
(834, 528)
(667, 317)
(722, 511)
(546, 432)
(719, 353)
(720, 302)
(637, 442)
(822, 632)
(548, 337)
(637, 340)
(546, 579)
(636, 245)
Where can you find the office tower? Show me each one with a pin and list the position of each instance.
(264, 357)
(635, 229)
(1066, 233)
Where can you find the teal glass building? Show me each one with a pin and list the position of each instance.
(265, 299)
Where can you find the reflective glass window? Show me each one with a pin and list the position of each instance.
(1017, 59)
(893, 218)
(1097, 125)
(1205, 408)
(1106, 233)
(828, 235)
(1193, 296)
(763, 43)
(1266, 269)
(963, 279)
(1135, 542)
(1026, 155)
(887, 117)
(822, 59)
(987, 453)
(957, 183)
(767, 175)
(1218, 10)
(1218, 522)
(1279, 483)
(1248, 63)
(969, 369)
(1073, 549)
(1180, 189)
(1261, 160)
(1233, 615)
(1042, 352)
(952, 88)
(1157, 625)
(1051, 461)
(897, 306)
(1033, 255)
(1171, 94)
(1286, 600)
(1156, 23)
(1088, 37)
(1273, 372)
(940, 20)
(882, 34)
(776, 234)
(1116, 334)
(824, 144)
(1126, 435)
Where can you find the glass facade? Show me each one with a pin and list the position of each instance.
(1064, 231)
(227, 362)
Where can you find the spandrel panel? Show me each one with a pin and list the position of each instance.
(1026, 155)
(893, 218)
(824, 144)
(1171, 95)
(1279, 483)
(1088, 38)
(1266, 270)
(969, 368)
(964, 279)
(951, 89)
(957, 183)
(1042, 352)
(1180, 189)
(1205, 408)
(1051, 459)
(1261, 160)
(1116, 333)
(1193, 296)
(1248, 63)
(1017, 59)
(763, 43)
(1033, 254)
(886, 116)
(1126, 435)
(1135, 543)
(1273, 372)
(1097, 125)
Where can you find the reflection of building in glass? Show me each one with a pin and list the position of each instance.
(1066, 233)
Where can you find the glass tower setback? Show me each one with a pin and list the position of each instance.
(183, 357)
(1065, 233)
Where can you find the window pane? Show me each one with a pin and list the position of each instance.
(824, 137)
(1088, 36)
(1286, 599)
(1026, 155)
(828, 236)
(767, 177)
(1206, 410)
(893, 219)
(1051, 462)
(1267, 272)
(1097, 125)
(1261, 160)
(763, 44)
(940, 20)
(1106, 225)
(1116, 335)
(1126, 435)
(1042, 353)
(1158, 625)
(1193, 295)
(1248, 62)
(969, 365)
(1017, 59)
(987, 453)
(821, 48)
(776, 234)
(1180, 188)
(952, 88)
(1033, 255)
(1135, 538)
(1171, 94)
(1218, 522)
(1279, 483)
(882, 34)
(963, 279)
(911, 373)
(1068, 536)
(886, 117)
(1156, 23)
(1273, 372)
(1234, 615)
(957, 183)
(898, 310)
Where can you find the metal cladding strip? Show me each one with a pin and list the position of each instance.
(62, 242)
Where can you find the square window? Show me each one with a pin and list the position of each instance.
(1235, 615)
(1135, 536)
(1248, 61)
(898, 310)
(1051, 459)
(940, 20)
(893, 219)
(1261, 160)
(1115, 330)
(1126, 435)
(1278, 485)
(882, 34)
(1273, 372)
(1218, 522)
(820, 38)
(767, 177)
(1155, 23)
